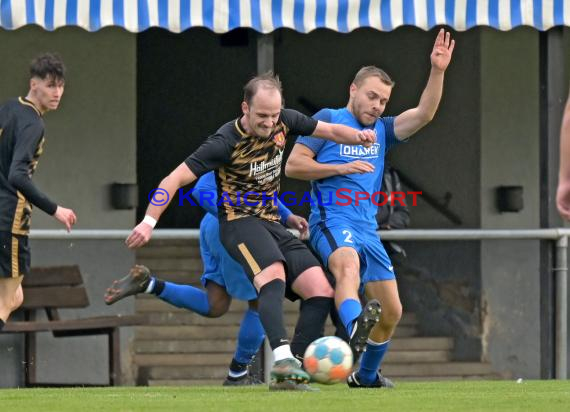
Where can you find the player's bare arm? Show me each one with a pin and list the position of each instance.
(339, 133)
(412, 120)
(302, 165)
(181, 176)
(563, 193)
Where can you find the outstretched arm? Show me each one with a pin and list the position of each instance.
(302, 165)
(412, 120)
(563, 193)
(181, 176)
(339, 133)
(300, 124)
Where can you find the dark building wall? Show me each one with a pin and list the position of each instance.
(189, 84)
(442, 157)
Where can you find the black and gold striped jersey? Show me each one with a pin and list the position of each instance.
(248, 167)
(21, 144)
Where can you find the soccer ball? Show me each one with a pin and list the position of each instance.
(328, 360)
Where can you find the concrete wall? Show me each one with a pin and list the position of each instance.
(510, 156)
(100, 263)
(90, 143)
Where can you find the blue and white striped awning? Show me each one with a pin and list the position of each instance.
(267, 15)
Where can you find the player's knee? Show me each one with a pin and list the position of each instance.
(313, 283)
(275, 271)
(218, 309)
(18, 298)
(344, 267)
(219, 302)
(391, 314)
(323, 289)
(347, 273)
(344, 263)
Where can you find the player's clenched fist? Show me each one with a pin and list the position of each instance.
(367, 137)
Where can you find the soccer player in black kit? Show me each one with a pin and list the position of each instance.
(246, 154)
(21, 145)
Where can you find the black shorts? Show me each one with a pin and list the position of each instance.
(14, 255)
(258, 243)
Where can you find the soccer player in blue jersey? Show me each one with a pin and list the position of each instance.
(343, 209)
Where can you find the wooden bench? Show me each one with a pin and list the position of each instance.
(62, 287)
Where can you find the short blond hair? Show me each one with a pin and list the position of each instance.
(369, 71)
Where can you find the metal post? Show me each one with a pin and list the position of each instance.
(561, 282)
(264, 53)
(267, 360)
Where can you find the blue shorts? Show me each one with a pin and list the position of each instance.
(219, 266)
(375, 264)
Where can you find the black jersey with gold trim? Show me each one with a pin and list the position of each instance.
(21, 145)
(248, 168)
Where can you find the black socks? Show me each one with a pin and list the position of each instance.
(311, 323)
(270, 308)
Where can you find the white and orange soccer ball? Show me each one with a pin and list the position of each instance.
(328, 360)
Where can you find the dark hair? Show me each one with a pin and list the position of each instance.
(266, 80)
(48, 65)
(369, 71)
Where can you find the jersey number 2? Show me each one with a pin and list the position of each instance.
(348, 238)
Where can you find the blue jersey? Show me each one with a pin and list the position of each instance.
(351, 197)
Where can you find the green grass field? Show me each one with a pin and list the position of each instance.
(434, 396)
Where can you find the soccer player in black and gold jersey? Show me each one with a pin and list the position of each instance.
(21, 144)
(246, 154)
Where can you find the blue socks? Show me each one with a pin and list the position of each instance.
(371, 360)
(348, 312)
(185, 296)
(250, 337)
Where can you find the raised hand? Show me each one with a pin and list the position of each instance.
(442, 50)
